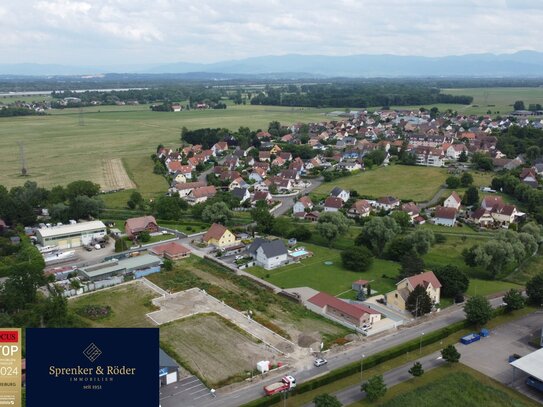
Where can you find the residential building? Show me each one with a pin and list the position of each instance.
(269, 253)
(360, 208)
(453, 201)
(242, 194)
(445, 216)
(201, 194)
(337, 192)
(353, 313)
(219, 236)
(171, 251)
(332, 204)
(302, 204)
(387, 203)
(134, 226)
(398, 298)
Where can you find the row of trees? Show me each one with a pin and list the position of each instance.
(77, 200)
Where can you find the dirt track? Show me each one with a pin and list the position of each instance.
(114, 176)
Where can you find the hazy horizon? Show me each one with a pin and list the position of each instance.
(136, 32)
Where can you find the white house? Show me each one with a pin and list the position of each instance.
(268, 253)
(342, 194)
(445, 216)
(453, 201)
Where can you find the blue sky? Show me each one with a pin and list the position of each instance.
(100, 32)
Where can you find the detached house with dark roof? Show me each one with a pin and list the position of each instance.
(398, 298)
(269, 253)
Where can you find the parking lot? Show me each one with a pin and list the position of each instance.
(490, 355)
(189, 392)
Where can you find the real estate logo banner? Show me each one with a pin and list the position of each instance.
(92, 367)
(10, 367)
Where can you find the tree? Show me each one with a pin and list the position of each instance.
(466, 179)
(519, 105)
(534, 289)
(377, 233)
(421, 240)
(263, 218)
(402, 219)
(411, 264)
(471, 197)
(300, 233)
(326, 400)
(513, 300)
(77, 188)
(333, 224)
(169, 207)
(453, 280)
(375, 388)
(416, 370)
(452, 182)
(217, 212)
(478, 310)
(144, 237)
(533, 229)
(357, 258)
(463, 157)
(167, 265)
(450, 354)
(533, 152)
(83, 206)
(419, 302)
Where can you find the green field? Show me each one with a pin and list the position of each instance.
(333, 279)
(497, 100)
(451, 386)
(58, 150)
(404, 182)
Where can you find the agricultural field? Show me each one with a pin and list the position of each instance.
(225, 356)
(59, 150)
(331, 278)
(129, 303)
(498, 100)
(451, 386)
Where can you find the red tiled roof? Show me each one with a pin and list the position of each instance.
(171, 248)
(445, 213)
(215, 232)
(356, 311)
(422, 278)
(333, 202)
(135, 225)
(456, 197)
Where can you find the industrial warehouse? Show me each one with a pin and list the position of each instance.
(71, 235)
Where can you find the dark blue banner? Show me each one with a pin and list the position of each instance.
(92, 367)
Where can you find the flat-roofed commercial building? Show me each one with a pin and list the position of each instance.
(140, 266)
(73, 235)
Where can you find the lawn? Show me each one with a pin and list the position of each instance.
(58, 150)
(401, 181)
(217, 359)
(129, 304)
(333, 279)
(451, 386)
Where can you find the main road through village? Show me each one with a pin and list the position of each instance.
(351, 354)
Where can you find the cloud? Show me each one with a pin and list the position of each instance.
(160, 31)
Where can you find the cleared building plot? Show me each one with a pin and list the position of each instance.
(213, 348)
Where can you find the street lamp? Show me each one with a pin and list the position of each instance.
(362, 366)
(420, 347)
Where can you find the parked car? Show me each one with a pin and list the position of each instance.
(365, 327)
(239, 257)
(320, 362)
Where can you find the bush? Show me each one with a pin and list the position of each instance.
(94, 312)
(440, 238)
(357, 258)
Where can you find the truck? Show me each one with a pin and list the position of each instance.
(287, 383)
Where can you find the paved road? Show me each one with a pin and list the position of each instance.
(351, 354)
(393, 377)
(435, 199)
(288, 202)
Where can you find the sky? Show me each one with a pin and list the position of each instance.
(98, 32)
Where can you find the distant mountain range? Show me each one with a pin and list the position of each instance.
(522, 63)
